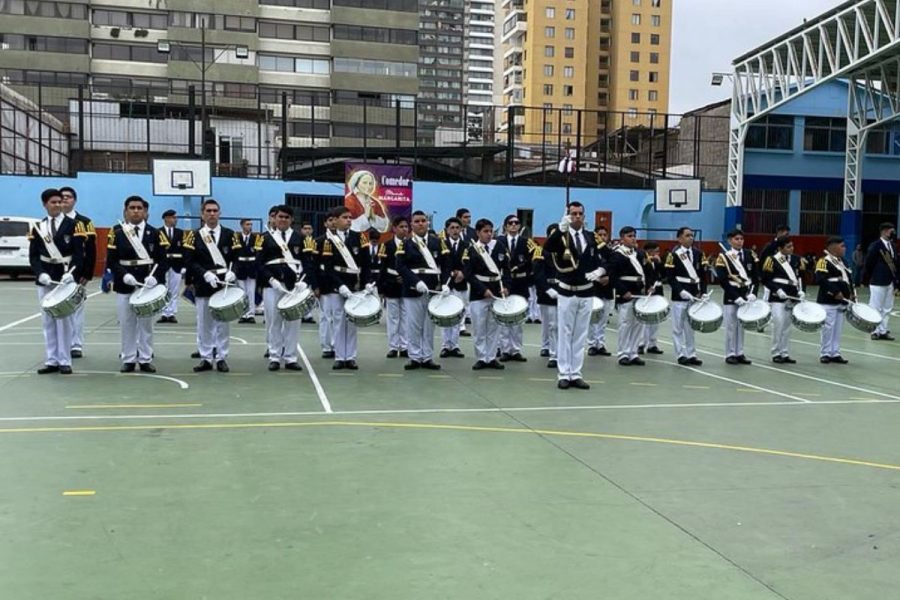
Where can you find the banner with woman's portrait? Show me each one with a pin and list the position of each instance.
(375, 194)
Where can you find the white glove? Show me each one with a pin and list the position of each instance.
(596, 274)
(301, 286)
(553, 294)
(150, 281)
(751, 297)
(801, 294)
(564, 224)
(704, 297)
(66, 278)
(344, 291)
(129, 279)
(445, 290)
(686, 295)
(740, 301)
(43, 279)
(370, 289)
(210, 278)
(781, 295)
(277, 285)
(230, 277)
(183, 271)
(422, 288)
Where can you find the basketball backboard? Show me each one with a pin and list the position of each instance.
(678, 195)
(181, 177)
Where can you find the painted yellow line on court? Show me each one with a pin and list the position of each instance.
(695, 387)
(79, 493)
(642, 384)
(748, 390)
(390, 374)
(490, 377)
(472, 428)
(439, 377)
(88, 406)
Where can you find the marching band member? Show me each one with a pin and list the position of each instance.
(175, 260)
(881, 271)
(604, 290)
(283, 257)
(459, 286)
(422, 262)
(390, 286)
(544, 280)
(780, 275)
(245, 268)
(56, 247)
(133, 249)
(86, 273)
(343, 269)
(519, 250)
(326, 326)
(211, 251)
(306, 230)
(655, 270)
(486, 267)
(468, 235)
(684, 266)
(630, 277)
(736, 271)
(835, 289)
(576, 261)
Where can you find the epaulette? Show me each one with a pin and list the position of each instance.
(111, 239)
(537, 253)
(704, 260)
(769, 265)
(821, 265)
(309, 244)
(754, 256)
(80, 230)
(802, 264)
(326, 248)
(89, 229)
(163, 240)
(187, 239)
(465, 256)
(720, 260)
(363, 240)
(235, 241)
(399, 249)
(442, 234)
(258, 243)
(382, 251)
(444, 248)
(531, 245)
(670, 260)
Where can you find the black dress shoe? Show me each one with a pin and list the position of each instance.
(835, 359)
(732, 360)
(788, 360)
(127, 368)
(351, 364)
(504, 357)
(204, 365)
(47, 369)
(639, 362)
(593, 351)
(625, 362)
(338, 365)
(147, 368)
(392, 354)
(537, 321)
(603, 351)
(479, 365)
(563, 384)
(886, 337)
(468, 321)
(222, 367)
(552, 364)
(173, 320)
(640, 349)
(274, 366)
(683, 360)
(744, 360)
(65, 370)
(824, 359)
(328, 354)
(778, 359)
(444, 353)
(195, 355)
(580, 384)
(309, 320)
(654, 350)
(457, 353)
(404, 354)
(77, 353)
(266, 355)
(430, 365)
(464, 333)
(545, 353)
(528, 321)
(412, 365)
(495, 364)
(695, 361)
(162, 320)
(517, 357)
(293, 366)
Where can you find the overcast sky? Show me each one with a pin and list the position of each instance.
(707, 35)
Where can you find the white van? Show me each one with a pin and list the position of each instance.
(14, 245)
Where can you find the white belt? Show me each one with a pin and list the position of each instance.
(247, 258)
(140, 262)
(425, 271)
(632, 278)
(173, 255)
(392, 272)
(487, 279)
(835, 279)
(519, 275)
(346, 270)
(739, 285)
(575, 288)
(56, 261)
(282, 261)
(782, 281)
(686, 280)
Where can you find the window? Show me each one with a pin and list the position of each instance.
(655, 3)
(570, 14)
(823, 134)
(655, 20)
(632, 112)
(570, 33)
(568, 90)
(34, 8)
(884, 140)
(132, 53)
(39, 43)
(764, 210)
(548, 89)
(635, 57)
(652, 95)
(381, 35)
(549, 32)
(634, 75)
(635, 19)
(635, 38)
(653, 77)
(654, 58)
(548, 127)
(568, 72)
(820, 212)
(772, 132)
(398, 5)
(567, 110)
(550, 12)
(634, 94)
(290, 64)
(569, 52)
(654, 39)
(567, 128)
(319, 4)
(374, 67)
(235, 23)
(548, 51)
(548, 70)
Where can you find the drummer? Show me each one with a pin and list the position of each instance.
(631, 277)
(604, 290)
(343, 269)
(86, 273)
(136, 254)
(518, 248)
(881, 272)
(283, 257)
(458, 285)
(835, 291)
(544, 280)
(175, 260)
(245, 268)
(326, 327)
(485, 266)
(780, 275)
(56, 253)
(211, 251)
(654, 268)
(684, 267)
(736, 271)
(390, 287)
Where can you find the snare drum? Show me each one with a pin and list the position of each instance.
(363, 309)
(863, 317)
(512, 310)
(597, 310)
(705, 317)
(446, 311)
(63, 300)
(755, 315)
(229, 304)
(293, 305)
(651, 310)
(808, 316)
(147, 302)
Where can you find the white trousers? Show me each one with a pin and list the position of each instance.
(396, 324)
(485, 330)
(650, 336)
(450, 335)
(212, 335)
(781, 329)
(682, 334)
(282, 336)
(734, 331)
(173, 283)
(345, 336)
(549, 329)
(831, 332)
(57, 335)
(420, 330)
(511, 339)
(631, 331)
(534, 311)
(881, 298)
(597, 331)
(574, 317)
(78, 328)
(137, 333)
(326, 327)
(249, 287)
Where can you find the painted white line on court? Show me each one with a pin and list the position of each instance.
(847, 350)
(35, 316)
(415, 411)
(182, 384)
(237, 339)
(320, 391)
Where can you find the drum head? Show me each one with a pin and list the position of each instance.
(226, 297)
(651, 304)
(866, 313)
(705, 311)
(446, 306)
(753, 311)
(290, 299)
(145, 295)
(59, 293)
(511, 305)
(361, 304)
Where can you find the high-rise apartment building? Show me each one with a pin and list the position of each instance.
(478, 85)
(441, 25)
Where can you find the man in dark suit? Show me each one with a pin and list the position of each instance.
(519, 250)
(245, 268)
(175, 259)
(881, 272)
(390, 287)
(835, 289)
(459, 287)
(685, 266)
(86, 273)
(737, 271)
(465, 220)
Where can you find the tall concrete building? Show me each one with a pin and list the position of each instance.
(441, 25)
(595, 56)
